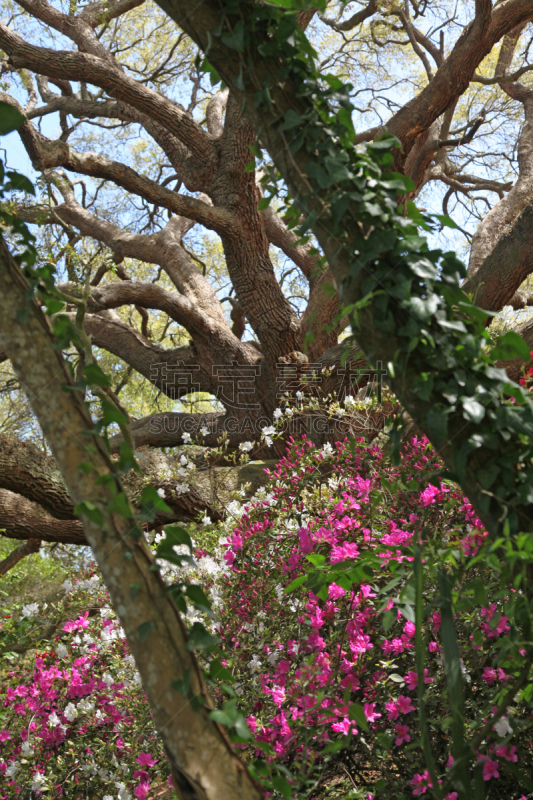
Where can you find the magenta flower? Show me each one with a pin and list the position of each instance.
(278, 695)
(335, 592)
(508, 752)
(4, 736)
(427, 497)
(370, 714)
(146, 760)
(393, 709)
(403, 734)
(490, 769)
(405, 705)
(421, 783)
(489, 675)
(141, 792)
(342, 727)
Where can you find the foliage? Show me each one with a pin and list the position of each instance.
(36, 577)
(404, 298)
(318, 617)
(74, 721)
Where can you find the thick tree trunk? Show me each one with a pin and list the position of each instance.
(200, 753)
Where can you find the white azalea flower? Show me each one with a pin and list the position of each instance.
(108, 679)
(278, 413)
(71, 712)
(12, 769)
(255, 664)
(30, 610)
(204, 430)
(348, 400)
(502, 727)
(67, 586)
(61, 650)
(161, 493)
(27, 749)
(38, 782)
(246, 446)
(53, 720)
(182, 488)
(186, 438)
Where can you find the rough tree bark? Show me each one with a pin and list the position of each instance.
(208, 160)
(205, 766)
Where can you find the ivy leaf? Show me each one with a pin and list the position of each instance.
(10, 118)
(510, 345)
(356, 713)
(293, 585)
(90, 511)
(200, 639)
(473, 410)
(144, 630)
(235, 38)
(95, 376)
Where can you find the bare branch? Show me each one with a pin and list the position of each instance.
(26, 549)
(354, 20)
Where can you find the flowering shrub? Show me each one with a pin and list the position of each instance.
(317, 617)
(313, 582)
(74, 721)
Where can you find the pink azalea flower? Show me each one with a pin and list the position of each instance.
(4, 736)
(344, 552)
(508, 752)
(278, 695)
(392, 708)
(451, 796)
(403, 734)
(490, 769)
(141, 792)
(335, 592)
(411, 679)
(405, 705)
(427, 497)
(146, 760)
(489, 675)
(342, 727)
(421, 783)
(370, 714)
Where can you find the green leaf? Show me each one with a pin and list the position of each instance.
(10, 118)
(144, 630)
(217, 672)
(151, 503)
(357, 714)
(389, 618)
(199, 598)
(510, 345)
(295, 584)
(473, 410)
(200, 639)
(18, 182)
(120, 505)
(235, 38)
(263, 203)
(95, 376)
(282, 786)
(89, 510)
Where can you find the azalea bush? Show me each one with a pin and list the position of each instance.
(74, 721)
(353, 611)
(318, 613)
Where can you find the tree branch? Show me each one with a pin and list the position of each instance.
(93, 69)
(26, 549)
